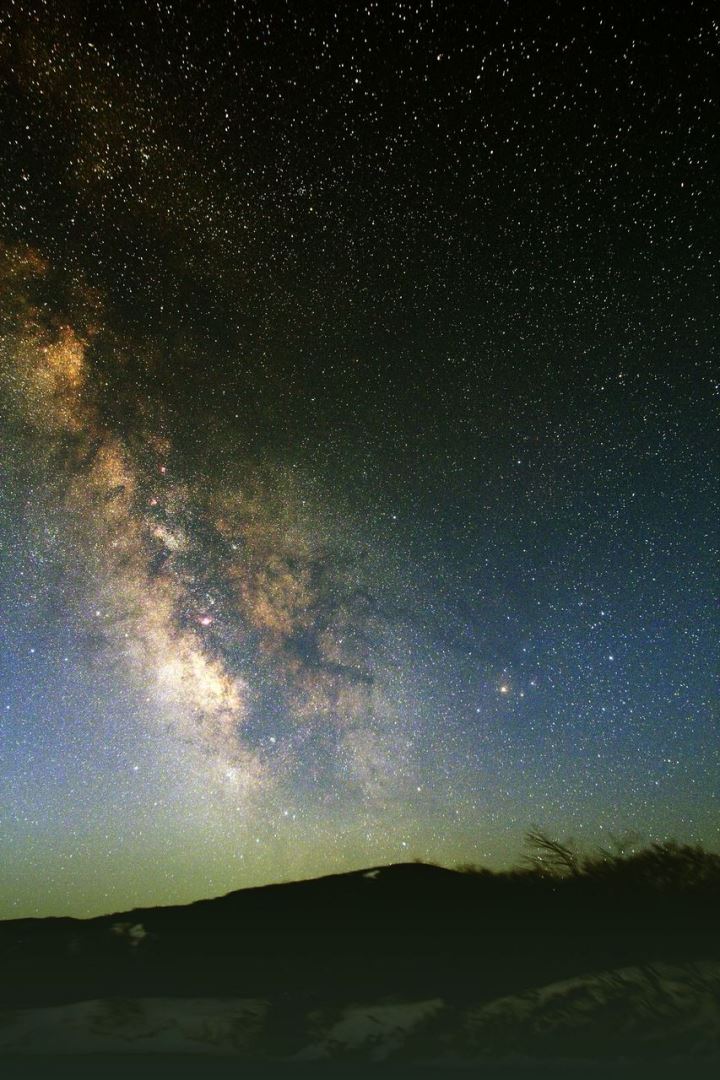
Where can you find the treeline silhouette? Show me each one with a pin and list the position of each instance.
(667, 867)
(407, 931)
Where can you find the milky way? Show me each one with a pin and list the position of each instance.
(359, 484)
(219, 603)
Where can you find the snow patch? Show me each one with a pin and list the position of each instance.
(134, 932)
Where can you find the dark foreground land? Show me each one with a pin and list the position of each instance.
(607, 967)
(179, 1067)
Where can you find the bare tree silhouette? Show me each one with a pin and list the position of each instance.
(551, 856)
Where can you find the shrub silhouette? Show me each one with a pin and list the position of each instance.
(663, 867)
(666, 867)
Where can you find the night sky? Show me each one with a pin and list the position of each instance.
(358, 437)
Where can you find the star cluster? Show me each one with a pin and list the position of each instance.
(358, 368)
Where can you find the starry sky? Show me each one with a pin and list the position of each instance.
(358, 437)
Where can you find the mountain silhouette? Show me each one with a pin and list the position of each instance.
(408, 930)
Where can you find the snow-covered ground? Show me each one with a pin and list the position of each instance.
(653, 1013)
(370, 1032)
(136, 1025)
